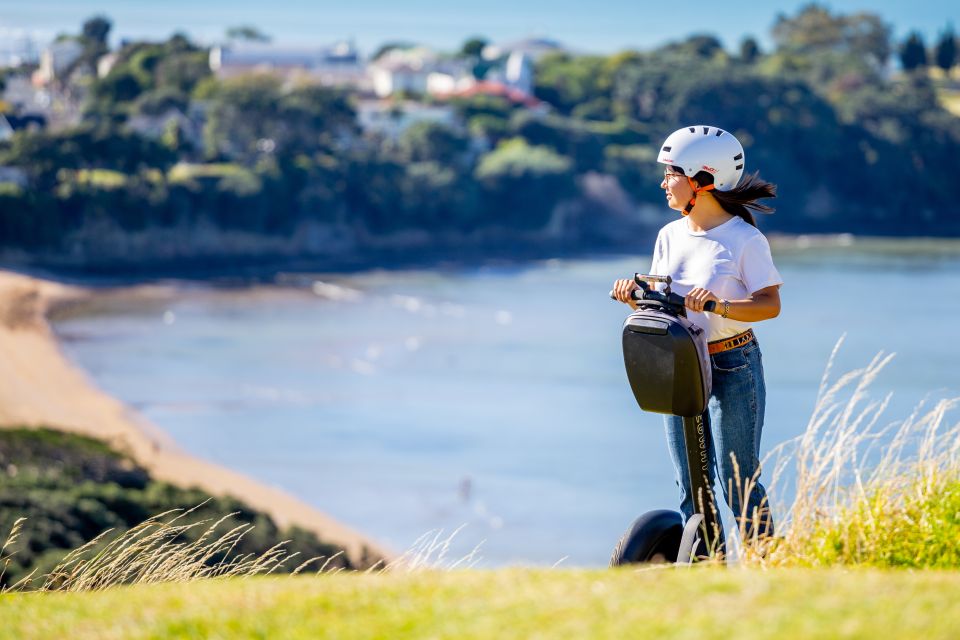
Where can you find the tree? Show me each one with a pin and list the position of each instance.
(473, 47)
(522, 184)
(913, 53)
(567, 81)
(432, 141)
(702, 45)
(247, 33)
(390, 46)
(815, 28)
(97, 29)
(250, 116)
(945, 53)
(749, 50)
(868, 35)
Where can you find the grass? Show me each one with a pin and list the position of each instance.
(868, 492)
(514, 603)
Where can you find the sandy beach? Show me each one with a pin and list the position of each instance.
(40, 387)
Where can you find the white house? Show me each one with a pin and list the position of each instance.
(391, 119)
(336, 65)
(106, 63)
(450, 76)
(518, 72)
(402, 70)
(535, 48)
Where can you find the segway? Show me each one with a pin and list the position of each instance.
(668, 367)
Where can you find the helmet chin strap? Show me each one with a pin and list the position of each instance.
(696, 190)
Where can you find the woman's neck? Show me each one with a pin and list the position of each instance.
(707, 214)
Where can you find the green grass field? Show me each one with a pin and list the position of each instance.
(700, 602)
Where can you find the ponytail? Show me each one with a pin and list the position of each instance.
(742, 200)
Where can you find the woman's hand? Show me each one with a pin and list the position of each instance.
(699, 297)
(622, 290)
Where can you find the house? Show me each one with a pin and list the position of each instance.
(56, 59)
(106, 63)
(534, 48)
(402, 70)
(337, 65)
(155, 126)
(501, 89)
(518, 72)
(449, 76)
(514, 71)
(390, 119)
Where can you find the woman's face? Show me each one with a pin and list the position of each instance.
(678, 189)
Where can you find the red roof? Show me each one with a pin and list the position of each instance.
(489, 88)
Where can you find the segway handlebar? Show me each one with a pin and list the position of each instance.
(666, 297)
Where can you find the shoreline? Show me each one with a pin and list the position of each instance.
(239, 270)
(40, 387)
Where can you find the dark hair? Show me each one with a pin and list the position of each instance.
(742, 199)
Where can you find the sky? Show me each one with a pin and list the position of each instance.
(588, 27)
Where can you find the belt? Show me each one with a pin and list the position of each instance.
(719, 346)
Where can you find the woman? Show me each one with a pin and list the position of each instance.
(715, 252)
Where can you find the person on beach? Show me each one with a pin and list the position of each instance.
(714, 251)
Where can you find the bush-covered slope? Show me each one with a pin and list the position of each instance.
(71, 488)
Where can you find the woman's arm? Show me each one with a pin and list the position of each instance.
(761, 305)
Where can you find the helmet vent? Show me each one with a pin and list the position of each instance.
(739, 156)
(719, 132)
(667, 149)
(738, 167)
(693, 130)
(706, 130)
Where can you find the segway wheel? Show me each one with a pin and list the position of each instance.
(654, 537)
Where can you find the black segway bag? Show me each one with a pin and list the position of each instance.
(667, 362)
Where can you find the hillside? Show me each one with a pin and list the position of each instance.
(71, 488)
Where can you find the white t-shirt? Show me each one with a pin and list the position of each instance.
(732, 260)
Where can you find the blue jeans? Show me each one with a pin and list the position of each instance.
(735, 419)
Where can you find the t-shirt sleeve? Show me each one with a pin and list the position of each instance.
(756, 265)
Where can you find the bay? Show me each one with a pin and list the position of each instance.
(493, 398)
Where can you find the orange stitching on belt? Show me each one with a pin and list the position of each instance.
(719, 346)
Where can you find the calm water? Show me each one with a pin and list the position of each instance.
(403, 402)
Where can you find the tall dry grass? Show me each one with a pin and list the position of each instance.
(864, 491)
(154, 551)
(431, 551)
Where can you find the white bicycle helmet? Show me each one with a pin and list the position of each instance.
(705, 148)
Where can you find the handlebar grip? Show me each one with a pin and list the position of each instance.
(636, 294)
